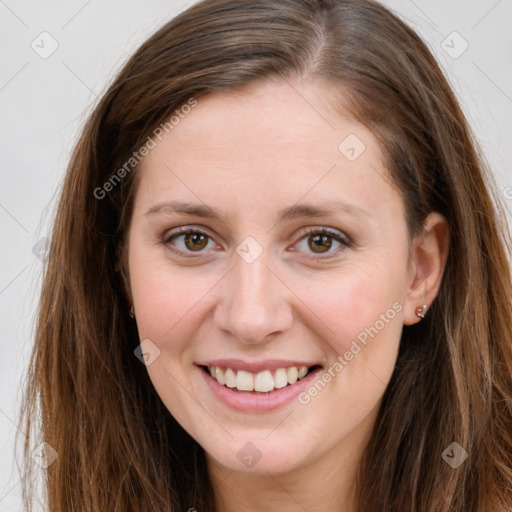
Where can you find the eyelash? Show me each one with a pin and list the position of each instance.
(342, 239)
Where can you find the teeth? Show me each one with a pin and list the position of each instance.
(219, 375)
(280, 378)
(292, 374)
(262, 382)
(244, 381)
(303, 370)
(230, 377)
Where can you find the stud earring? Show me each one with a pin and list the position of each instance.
(131, 311)
(421, 310)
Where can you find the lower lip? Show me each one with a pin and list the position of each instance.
(251, 402)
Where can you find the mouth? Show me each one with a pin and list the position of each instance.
(264, 382)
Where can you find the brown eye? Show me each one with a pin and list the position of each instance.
(319, 243)
(187, 240)
(196, 241)
(323, 241)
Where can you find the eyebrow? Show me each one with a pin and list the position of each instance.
(293, 212)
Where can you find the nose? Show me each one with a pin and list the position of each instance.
(254, 303)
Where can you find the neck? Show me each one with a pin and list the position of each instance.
(247, 492)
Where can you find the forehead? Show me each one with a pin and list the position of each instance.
(265, 118)
(272, 144)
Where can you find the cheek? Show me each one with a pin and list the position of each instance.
(167, 299)
(355, 304)
(170, 304)
(362, 319)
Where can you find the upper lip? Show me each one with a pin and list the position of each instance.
(268, 364)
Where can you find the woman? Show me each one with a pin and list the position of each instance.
(277, 280)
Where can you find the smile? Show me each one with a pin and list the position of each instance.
(257, 387)
(262, 382)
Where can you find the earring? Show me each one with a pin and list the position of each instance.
(421, 310)
(131, 311)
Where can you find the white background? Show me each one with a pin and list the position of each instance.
(43, 103)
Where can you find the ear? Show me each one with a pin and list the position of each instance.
(428, 260)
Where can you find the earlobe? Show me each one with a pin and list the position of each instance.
(429, 256)
(421, 311)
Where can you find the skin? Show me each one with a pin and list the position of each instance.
(250, 154)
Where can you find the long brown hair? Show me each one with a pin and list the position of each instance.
(118, 447)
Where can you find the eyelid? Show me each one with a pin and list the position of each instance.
(184, 230)
(339, 236)
(334, 233)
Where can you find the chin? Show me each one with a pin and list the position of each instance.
(259, 457)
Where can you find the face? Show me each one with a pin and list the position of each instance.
(269, 248)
